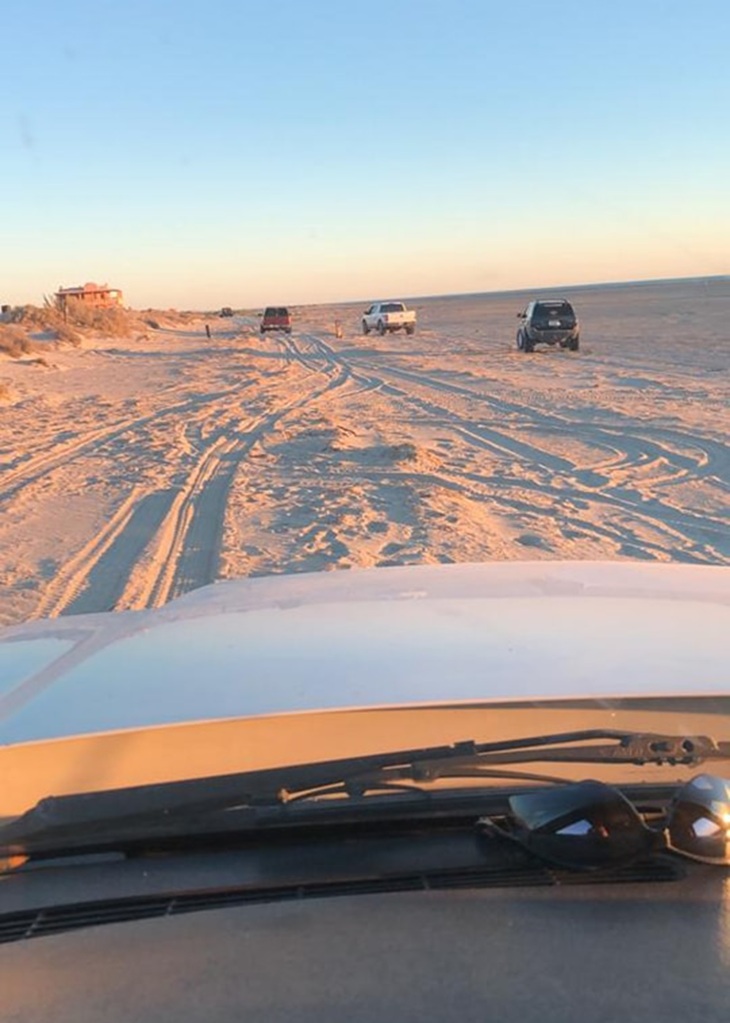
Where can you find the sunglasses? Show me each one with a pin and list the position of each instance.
(588, 825)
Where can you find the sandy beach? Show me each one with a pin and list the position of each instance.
(135, 469)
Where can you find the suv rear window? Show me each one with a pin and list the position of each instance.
(392, 307)
(545, 312)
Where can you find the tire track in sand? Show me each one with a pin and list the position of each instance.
(182, 531)
(58, 456)
(65, 587)
(187, 545)
(697, 534)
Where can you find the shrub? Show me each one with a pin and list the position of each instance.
(65, 333)
(13, 341)
(113, 321)
(44, 317)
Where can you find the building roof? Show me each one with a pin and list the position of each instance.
(82, 288)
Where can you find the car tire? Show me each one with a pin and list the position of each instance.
(381, 328)
(527, 344)
(519, 340)
(574, 345)
(365, 328)
(410, 330)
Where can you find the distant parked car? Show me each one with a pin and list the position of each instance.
(226, 311)
(386, 317)
(548, 322)
(276, 318)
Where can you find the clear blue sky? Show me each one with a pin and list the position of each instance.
(199, 154)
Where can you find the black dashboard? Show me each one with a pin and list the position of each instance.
(225, 936)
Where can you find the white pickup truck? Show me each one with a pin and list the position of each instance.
(388, 316)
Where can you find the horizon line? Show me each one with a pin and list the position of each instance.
(637, 282)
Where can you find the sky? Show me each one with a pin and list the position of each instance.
(292, 151)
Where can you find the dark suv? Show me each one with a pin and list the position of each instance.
(276, 318)
(548, 322)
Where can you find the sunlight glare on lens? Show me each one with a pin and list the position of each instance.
(583, 827)
(704, 827)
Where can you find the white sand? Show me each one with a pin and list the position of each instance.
(134, 470)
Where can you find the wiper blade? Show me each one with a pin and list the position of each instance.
(190, 806)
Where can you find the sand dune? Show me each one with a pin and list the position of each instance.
(134, 470)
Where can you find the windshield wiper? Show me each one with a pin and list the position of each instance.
(197, 805)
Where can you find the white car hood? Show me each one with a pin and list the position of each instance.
(372, 638)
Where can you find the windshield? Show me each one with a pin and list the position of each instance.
(436, 527)
(553, 314)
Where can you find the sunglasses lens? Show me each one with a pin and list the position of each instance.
(584, 825)
(699, 821)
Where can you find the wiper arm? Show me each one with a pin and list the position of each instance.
(637, 748)
(470, 759)
(186, 807)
